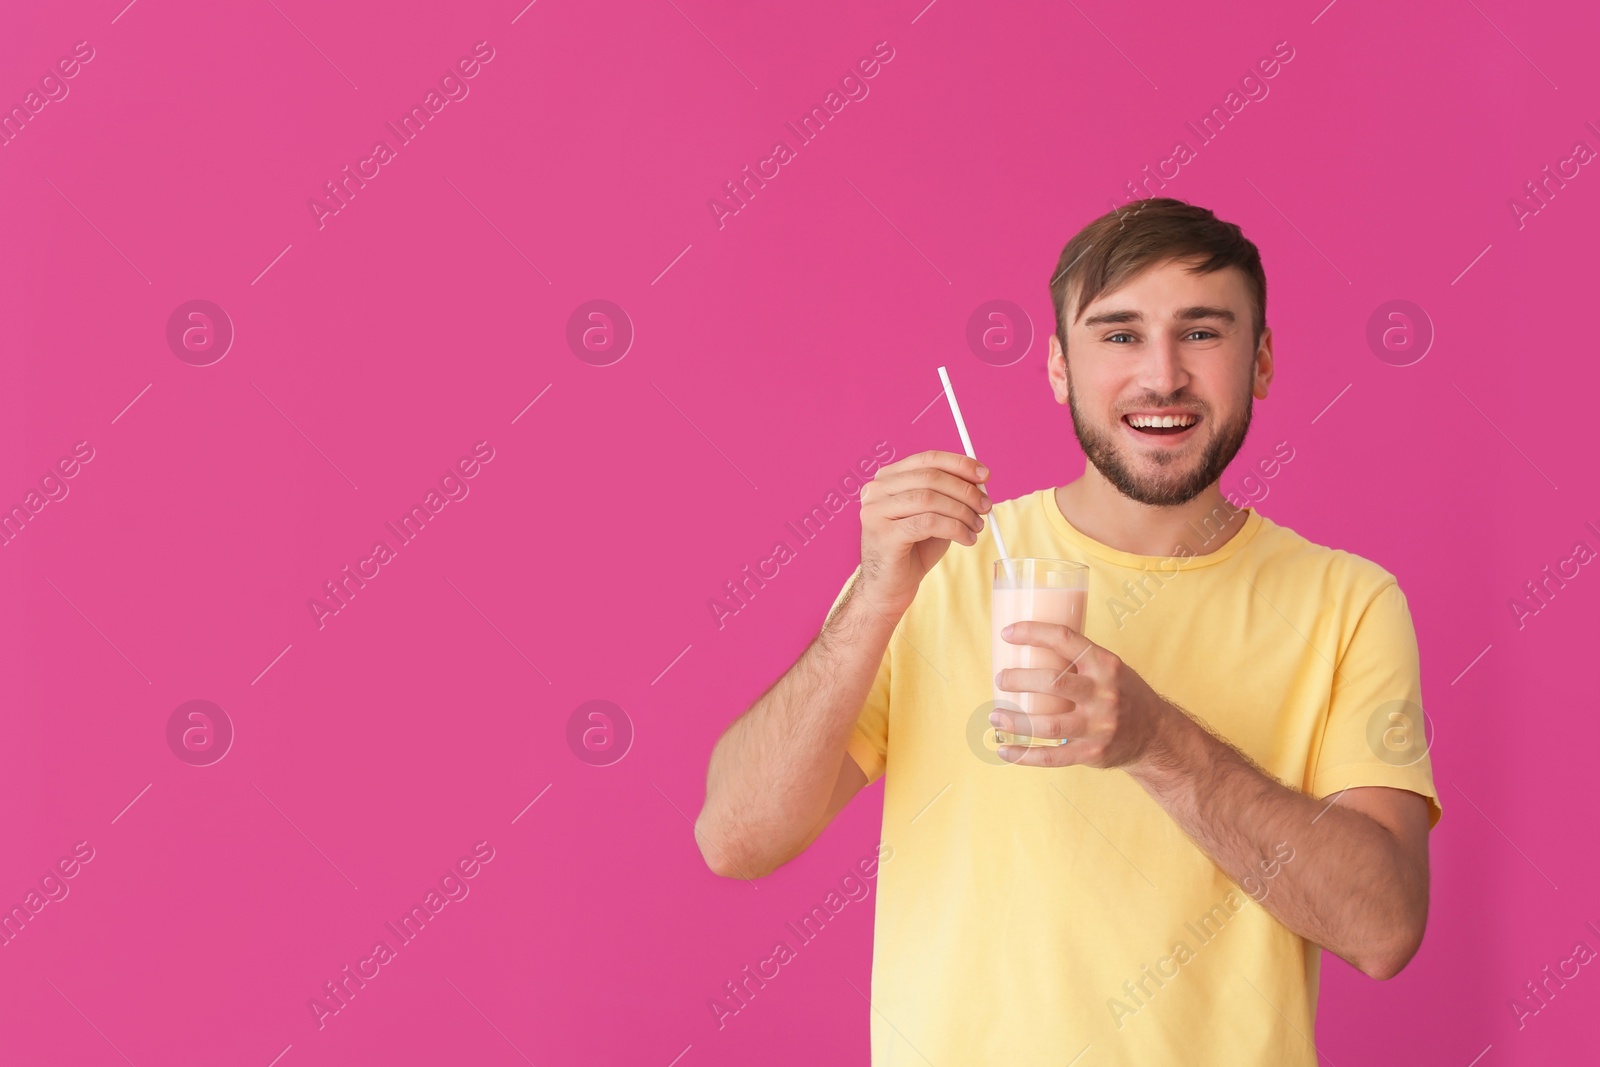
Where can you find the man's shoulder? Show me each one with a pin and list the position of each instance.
(1028, 514)
(1336, 568)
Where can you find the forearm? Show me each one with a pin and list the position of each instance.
(1348, 885)
(773, 770)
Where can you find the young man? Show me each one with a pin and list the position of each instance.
(1244, 779)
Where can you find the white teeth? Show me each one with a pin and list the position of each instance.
(1162, 421)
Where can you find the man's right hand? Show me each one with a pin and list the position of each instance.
(910, 512)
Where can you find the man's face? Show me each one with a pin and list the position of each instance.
(1169, 343)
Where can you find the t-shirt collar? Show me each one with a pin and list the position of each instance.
(1200, 533)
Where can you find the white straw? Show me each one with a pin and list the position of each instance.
(966, 443)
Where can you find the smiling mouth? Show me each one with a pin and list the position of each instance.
(1161, 425)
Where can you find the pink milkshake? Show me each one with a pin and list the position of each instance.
(1042, 590)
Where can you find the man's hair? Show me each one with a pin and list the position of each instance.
(1119, 245)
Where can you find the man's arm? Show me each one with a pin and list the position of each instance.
(1357, 882)
(780, 773)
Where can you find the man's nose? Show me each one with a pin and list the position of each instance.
(1162, 370)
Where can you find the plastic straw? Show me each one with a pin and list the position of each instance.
(966, 443)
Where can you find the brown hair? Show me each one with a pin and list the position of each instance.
(1117, 246)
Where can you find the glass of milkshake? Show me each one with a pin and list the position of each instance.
(1033, 590)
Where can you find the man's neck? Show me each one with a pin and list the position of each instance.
(1098, 509)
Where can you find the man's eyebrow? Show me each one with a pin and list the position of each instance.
(1201, 311)
(1108, 317)
(1188, 314)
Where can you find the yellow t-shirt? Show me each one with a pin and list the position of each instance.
(1032, 915)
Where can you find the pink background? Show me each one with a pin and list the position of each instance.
(771, 355)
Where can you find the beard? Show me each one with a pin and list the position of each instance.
(1178, 484)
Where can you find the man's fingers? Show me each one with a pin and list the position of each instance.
(916, 501)
(904, 483)
(953, 462)
(1051, 681)
(1063, 640)
(1067, 755)
(926, 524)
(1054, 726)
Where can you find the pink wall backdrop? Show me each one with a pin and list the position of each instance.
(189, 484)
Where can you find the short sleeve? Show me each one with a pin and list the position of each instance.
(1375, 733)
(869, 741)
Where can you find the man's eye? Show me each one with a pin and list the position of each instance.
(1128, 337)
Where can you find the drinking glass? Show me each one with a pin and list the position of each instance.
(1038, 590)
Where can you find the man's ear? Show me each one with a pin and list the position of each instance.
(1263, 367)
(1058, 370)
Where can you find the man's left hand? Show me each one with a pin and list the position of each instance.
(1116, 719)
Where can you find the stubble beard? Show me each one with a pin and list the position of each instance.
(1102, 449)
